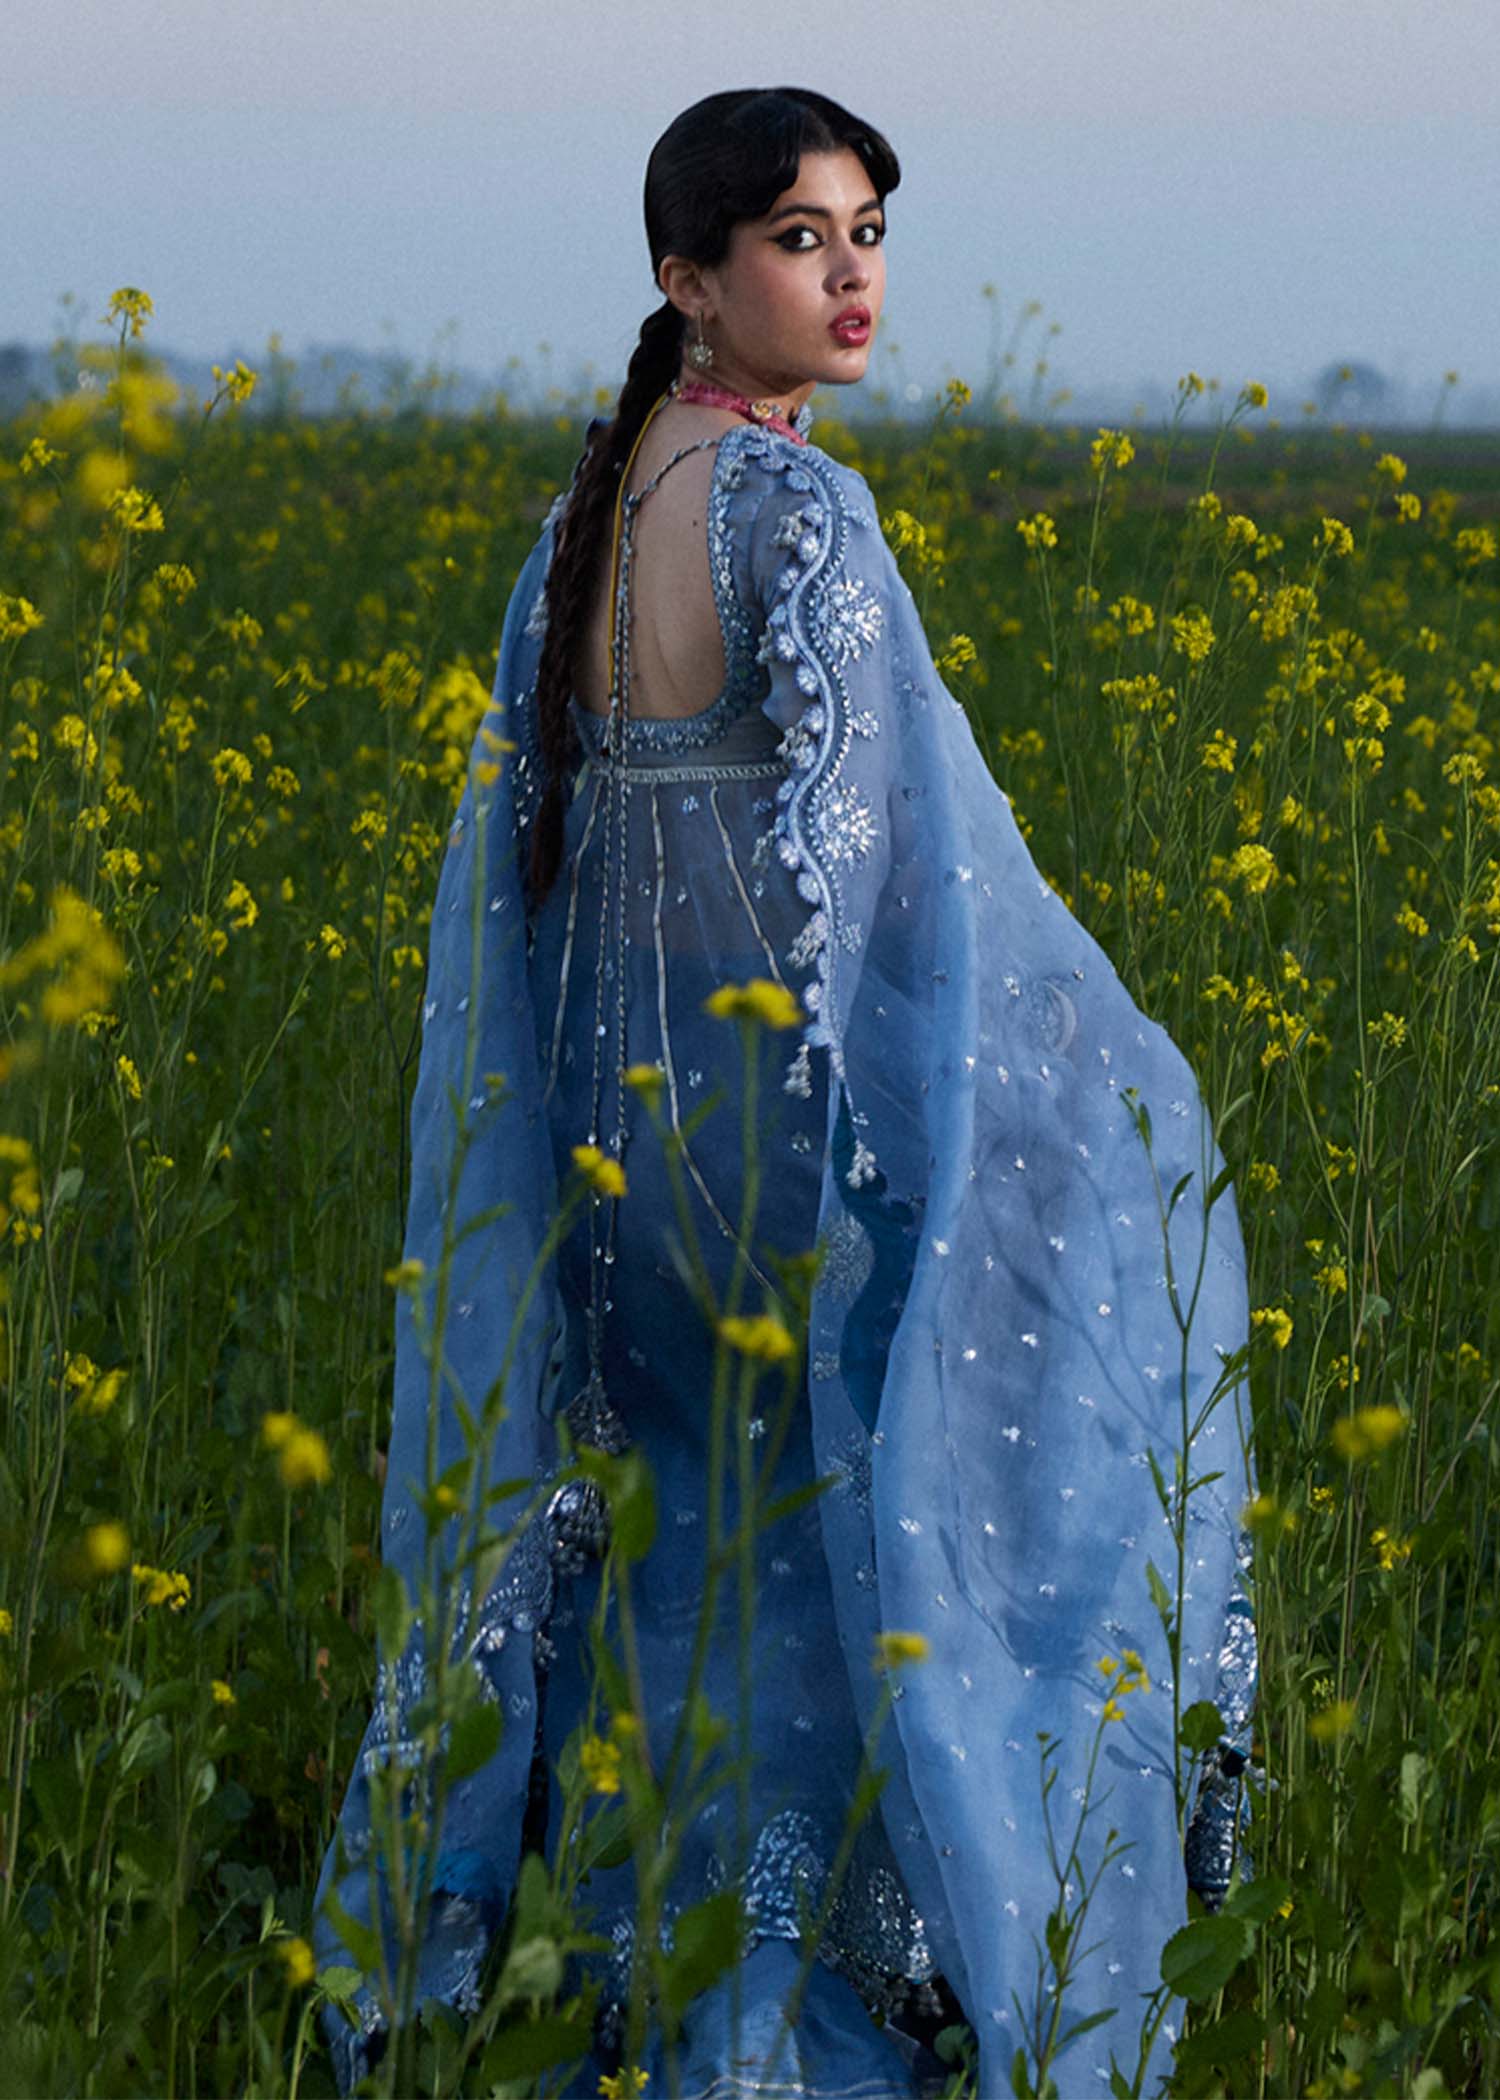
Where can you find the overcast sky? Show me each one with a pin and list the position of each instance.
(1245, 188)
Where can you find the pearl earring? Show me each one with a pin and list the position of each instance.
(700, 355)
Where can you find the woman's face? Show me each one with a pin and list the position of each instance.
(796, 301)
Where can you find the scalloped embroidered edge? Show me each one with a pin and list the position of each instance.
(815, 536)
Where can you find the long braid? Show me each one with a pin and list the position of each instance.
(570, 576)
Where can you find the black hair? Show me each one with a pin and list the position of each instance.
(724, 160)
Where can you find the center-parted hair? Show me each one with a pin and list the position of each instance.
(726, 159)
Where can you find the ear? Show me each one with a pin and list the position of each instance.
(686, 285)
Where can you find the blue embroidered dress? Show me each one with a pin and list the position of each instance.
(1021, 1303)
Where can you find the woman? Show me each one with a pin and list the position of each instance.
(719, 753)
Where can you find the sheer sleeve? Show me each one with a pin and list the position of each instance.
(1032, 1305)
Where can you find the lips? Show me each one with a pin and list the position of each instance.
(852, 326)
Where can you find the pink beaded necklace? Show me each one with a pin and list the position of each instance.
(709, 396)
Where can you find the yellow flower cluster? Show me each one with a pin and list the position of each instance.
(1275, 1320)
(84, 956)
(94, 1392)
(894, 1650)
(1389, 1550)
(134, 511)
(606, 1177)
(303, 1459)
(1192, 635)
(18, 616)
(163, 1587)
(1124, 1674)
(298, 1960)
(1367, 1432)
(1254, 866)
(1332, 1721)
(22, 1202)
(622, 2085)
(760, 999)
(1335, 537)
(238, 384)
(1219, 752)
(1111, 448)
(762, 1336)
(1038, 531)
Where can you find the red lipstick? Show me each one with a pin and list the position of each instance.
(852, 327)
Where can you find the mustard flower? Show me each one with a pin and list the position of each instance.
(1368, 1431)
(1254, 866)
(238, 384)
(1408, 507)
(231, 768)
(300, 1964)
(622, 2085)
(1390, 468)
(1389, 1031)
(1275, 1320)
(606, 1177)
(130, 305)
(335, 943)
(223, 1695)
(7, 1623)
(1037, 531)
(133, 510)
(106, 1548)
(1111, 448)
(1334, 1720)
(759, 1000)
(1335, 536)
(18, 616)
(1136, 617)
(162, 1587)
(762, 1336)
(39, 454)
(303, 1459)
(1389, 1550)
(647, 1080)
(599, 1762)
(1219, 752)
(1192, 635)
(892, 1650)
(241, 905)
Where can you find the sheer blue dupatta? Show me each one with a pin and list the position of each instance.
(1007, 1330)
(483, 1192)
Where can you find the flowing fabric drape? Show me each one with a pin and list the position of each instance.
(1034, 1283)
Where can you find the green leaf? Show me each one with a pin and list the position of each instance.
(1256, 1901)
(535, 2045)
(474, 1741)
(359, 1939)
(1199, 1959)
(1202, 1725)
(1082, 2026)
(1224, 2045)
(339, 1982)
(53, 1784)
(1161, 1596)
(706, 1942)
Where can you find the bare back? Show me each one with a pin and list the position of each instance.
(676, 648)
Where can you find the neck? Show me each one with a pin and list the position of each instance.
(755, 386)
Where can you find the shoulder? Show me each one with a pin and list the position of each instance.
(793, 512)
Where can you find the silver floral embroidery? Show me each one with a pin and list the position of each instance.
(847, 618)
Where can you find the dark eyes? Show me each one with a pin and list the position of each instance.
(869, 235)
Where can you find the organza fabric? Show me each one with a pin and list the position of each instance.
(1023, 1303)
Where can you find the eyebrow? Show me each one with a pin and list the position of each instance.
(818, 211)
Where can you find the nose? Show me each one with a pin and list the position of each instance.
(849, 267)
